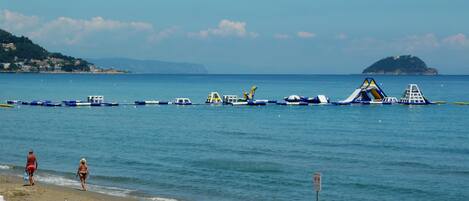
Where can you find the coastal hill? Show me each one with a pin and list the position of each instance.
(150, 66)
(20, 54)
(400, 65)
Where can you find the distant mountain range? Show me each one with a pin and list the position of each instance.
(149, 66)
(400, 65)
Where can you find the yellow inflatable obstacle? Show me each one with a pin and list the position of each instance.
(6, 105)
(250, 95)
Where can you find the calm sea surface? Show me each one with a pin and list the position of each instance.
(203, 152)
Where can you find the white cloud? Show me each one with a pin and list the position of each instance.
(281, 36)
(17, 22)
(74, 31)
(457, 40)
(412, 43)
(407, 44)
(417, 42)
(70, 31)
(304, 34)
(163, 34)
(226, 28)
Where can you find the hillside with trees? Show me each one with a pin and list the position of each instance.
(20, 54)
(400, 65)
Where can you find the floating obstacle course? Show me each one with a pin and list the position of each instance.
(369, 92)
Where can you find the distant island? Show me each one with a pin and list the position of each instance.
(400, 65)
(21, 55)
(150, 66)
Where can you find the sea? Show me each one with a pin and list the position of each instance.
(240, 153)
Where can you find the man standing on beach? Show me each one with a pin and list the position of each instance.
(31, 166)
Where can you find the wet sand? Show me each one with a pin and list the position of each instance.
(12, 189)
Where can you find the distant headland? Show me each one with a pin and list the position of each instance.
(400, 65)
(150, 66)
(21, 55)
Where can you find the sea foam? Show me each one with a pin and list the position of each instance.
(58, 180)
(63, 181)
(4, 167)
(160, 199)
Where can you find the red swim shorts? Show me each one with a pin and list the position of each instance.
(31, 169)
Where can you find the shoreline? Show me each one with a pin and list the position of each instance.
(44, 72)
(12, 189)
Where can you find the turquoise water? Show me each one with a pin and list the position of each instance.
(203, 152)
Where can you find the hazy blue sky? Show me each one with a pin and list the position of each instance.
(250, 36)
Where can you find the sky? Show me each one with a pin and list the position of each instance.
(250, 36)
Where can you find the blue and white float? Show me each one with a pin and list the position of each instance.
(152, 102)
(111, 104)
(294, 100)
(37, 102)
(390, 100)
(413, 96)
(76, 103)
(183, 101)
(368, 92)
(319, 99)
(13, 102)
(52, 104)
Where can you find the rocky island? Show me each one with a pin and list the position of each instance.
(400, 65)
(21, 55)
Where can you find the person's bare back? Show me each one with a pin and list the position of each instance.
(82, 172)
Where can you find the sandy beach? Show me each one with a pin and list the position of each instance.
(12, 189)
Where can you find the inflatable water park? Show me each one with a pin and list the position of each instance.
(369, 92)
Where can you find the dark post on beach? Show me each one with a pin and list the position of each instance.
(317, 184)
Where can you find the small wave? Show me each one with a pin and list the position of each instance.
(58, 180)
(456, 172)
(160, 199)
(4, 167)
(114, 191)
(240, 166)
(386, 187)
(63, 181)
(409, 164)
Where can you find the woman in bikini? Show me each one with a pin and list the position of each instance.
(82, 172)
